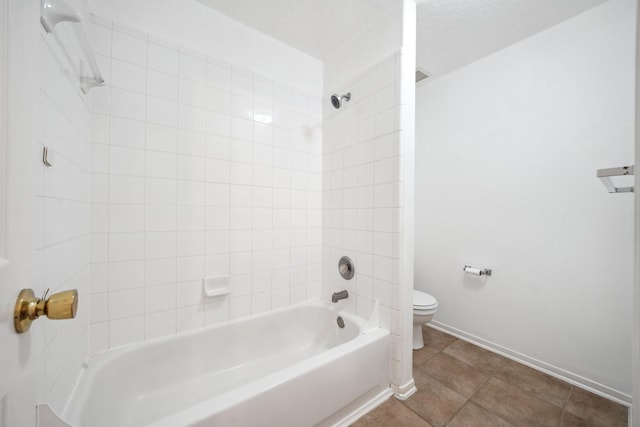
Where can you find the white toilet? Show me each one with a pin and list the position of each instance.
(424, 307)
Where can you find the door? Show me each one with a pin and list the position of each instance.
(21, 356)
(635, 413)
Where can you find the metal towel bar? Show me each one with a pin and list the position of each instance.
(57, 11)
(605, 174)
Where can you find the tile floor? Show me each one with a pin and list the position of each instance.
(460, 384)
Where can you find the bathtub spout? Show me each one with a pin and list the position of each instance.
(337, 296)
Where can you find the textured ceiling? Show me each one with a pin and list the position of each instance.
(316, 27)
(451, 33)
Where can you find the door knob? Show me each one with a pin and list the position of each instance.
(61, 305)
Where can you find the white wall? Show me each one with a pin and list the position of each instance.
(187, 183)
(63, 207)
(201, 28)
(47, 218)
(406, 172)
(363, 181)
(507, 150)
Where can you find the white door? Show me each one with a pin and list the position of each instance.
(22, 365)
(635, 412)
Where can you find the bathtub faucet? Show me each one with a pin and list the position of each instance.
(337, 296)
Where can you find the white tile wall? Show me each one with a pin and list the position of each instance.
(199, 168)
(362, 194)
(63, 240)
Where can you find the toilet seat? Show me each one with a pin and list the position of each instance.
(423, 301)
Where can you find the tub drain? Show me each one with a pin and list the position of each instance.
(340, 322)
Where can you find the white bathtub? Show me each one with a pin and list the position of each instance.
(289, 367)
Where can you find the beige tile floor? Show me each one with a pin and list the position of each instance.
(462, 385)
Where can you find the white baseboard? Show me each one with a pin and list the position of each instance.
(405, 391)
(562, 374)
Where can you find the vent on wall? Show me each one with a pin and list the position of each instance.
(421, 75)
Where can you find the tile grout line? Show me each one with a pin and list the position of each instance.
(418, 391)
(492, 375)
(456, 413)
(502, 417)
(564, 407)
(418, 415)
(418, 367)
(467, 399)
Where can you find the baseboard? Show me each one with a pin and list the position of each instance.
(554, 371)
(405, 391)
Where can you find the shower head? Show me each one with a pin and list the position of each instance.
(337, 100)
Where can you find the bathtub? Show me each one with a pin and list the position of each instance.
(288, 367)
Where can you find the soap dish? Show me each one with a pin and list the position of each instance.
(215, 286)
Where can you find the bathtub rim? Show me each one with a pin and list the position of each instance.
(99, 357)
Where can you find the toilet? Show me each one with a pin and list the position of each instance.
(424, 307)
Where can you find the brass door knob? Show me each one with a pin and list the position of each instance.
(62, 305)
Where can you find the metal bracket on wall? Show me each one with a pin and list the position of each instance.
(606, 174)
(54, 12)
(45, 157)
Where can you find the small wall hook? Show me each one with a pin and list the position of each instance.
(45, 157)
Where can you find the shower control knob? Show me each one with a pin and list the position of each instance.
(346, 268)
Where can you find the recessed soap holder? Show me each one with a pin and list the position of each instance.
(215, 286)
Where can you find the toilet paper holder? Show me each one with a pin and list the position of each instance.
(477, 271)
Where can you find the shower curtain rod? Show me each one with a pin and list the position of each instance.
(57, 11)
